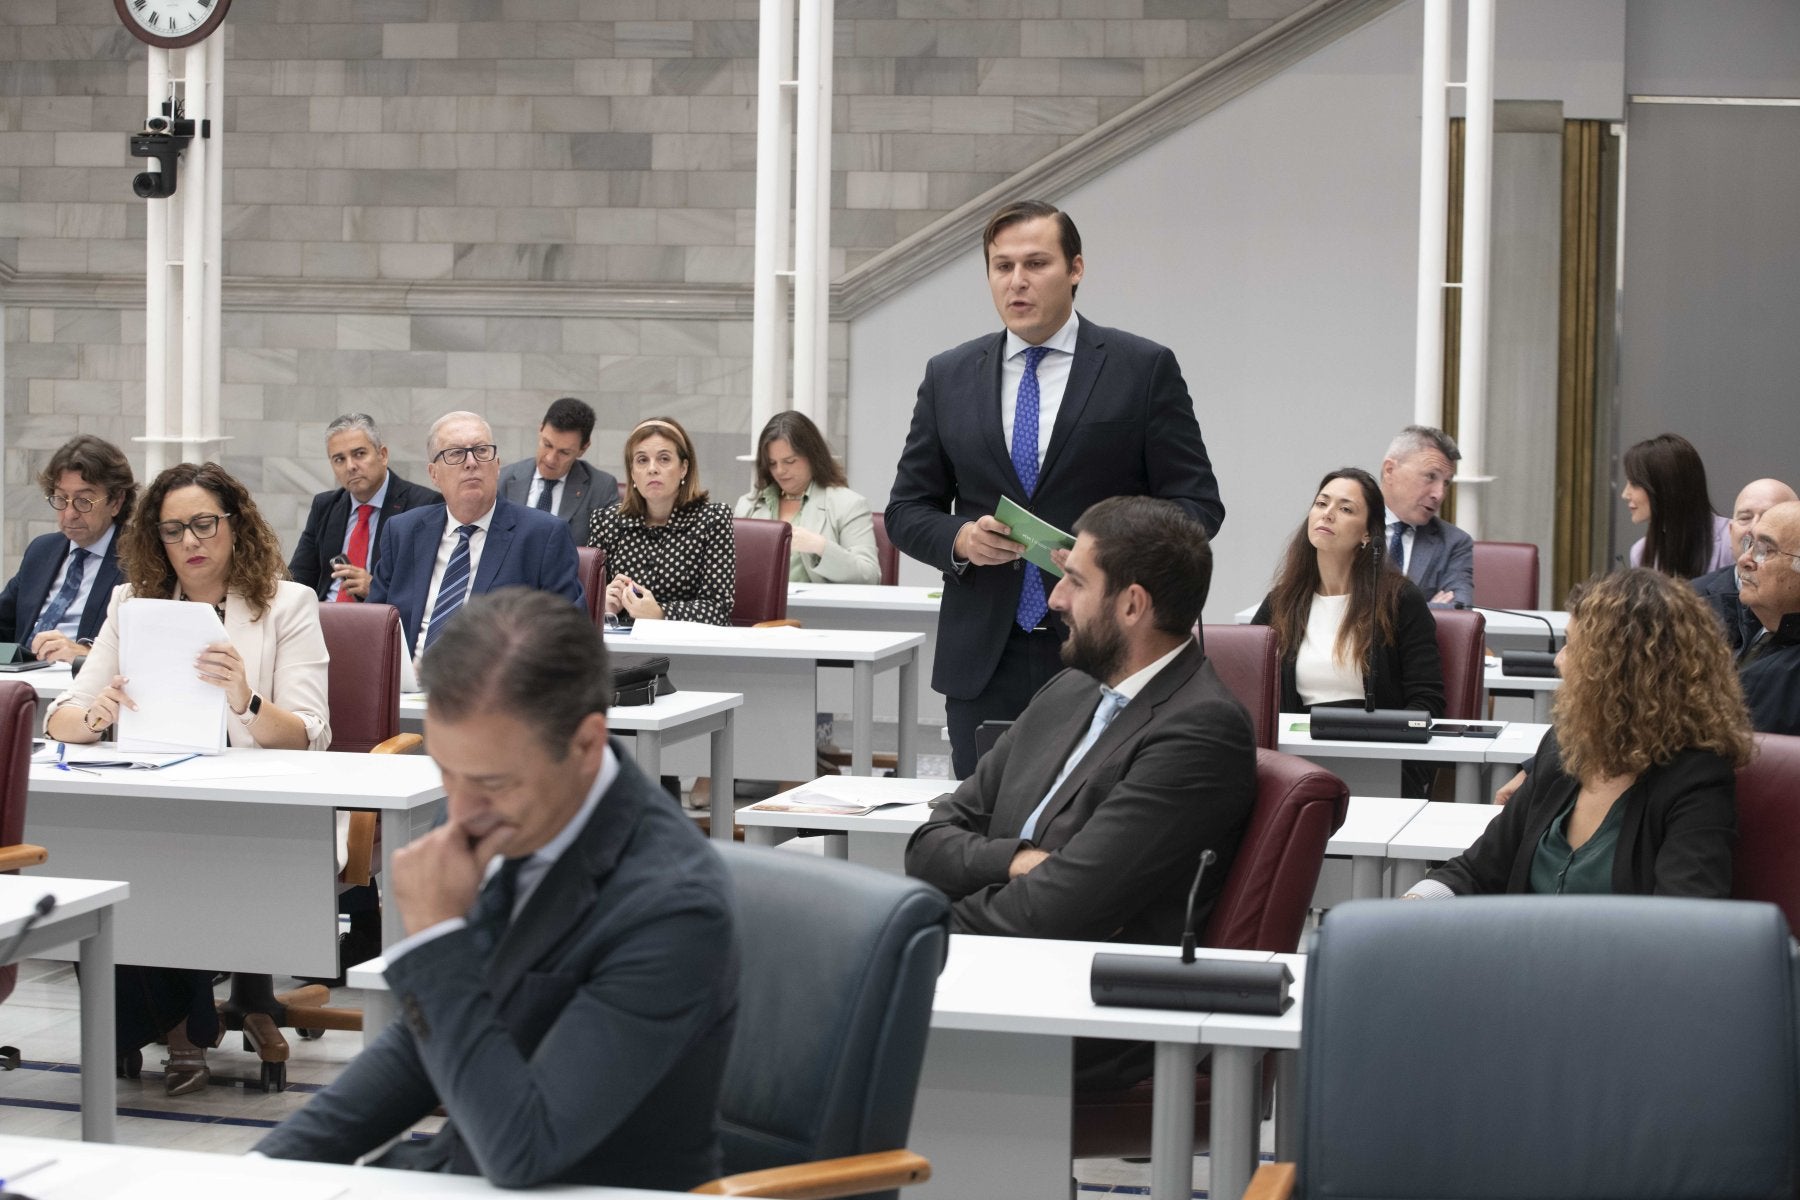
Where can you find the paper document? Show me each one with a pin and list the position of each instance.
(828, 806)
(160, 641)
(1038, 537)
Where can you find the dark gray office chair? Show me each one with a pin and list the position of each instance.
(1557, 1049)
(839, 964)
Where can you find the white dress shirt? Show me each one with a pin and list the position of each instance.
(1406, 539)
(1052, 376)
(70, 625)
(447, 547)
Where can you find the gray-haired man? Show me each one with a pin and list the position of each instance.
(344, 521)
(1436, 555)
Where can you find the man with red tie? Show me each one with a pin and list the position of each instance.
(344, 522)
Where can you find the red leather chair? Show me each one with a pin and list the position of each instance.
(1263, 907)
(1460, 651)
(1245, 658)
(590, 568)
(18, 718)
(763, 552)
(1506, 575)
(1766, 863)
(886, 553)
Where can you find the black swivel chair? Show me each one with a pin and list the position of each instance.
(1557, 1049)
(839, 965)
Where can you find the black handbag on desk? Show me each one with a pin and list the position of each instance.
(640, 679)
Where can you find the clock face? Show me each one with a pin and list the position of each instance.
(171, 23)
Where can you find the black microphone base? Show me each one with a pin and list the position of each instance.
(1205, 985)
(1530, 664)
(1363, 725)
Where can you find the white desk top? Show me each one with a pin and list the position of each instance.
(668, 712)
(1437, 750)
(98, 1171)
(1517, 742)
(858, 789)
(1371, 823)
(809, 597)
(1442, 830)
(247, 776)
(74, 897)
(852, 645)
(1496, 680)
(1498, 624)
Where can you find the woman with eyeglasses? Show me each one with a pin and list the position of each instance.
(197, 536)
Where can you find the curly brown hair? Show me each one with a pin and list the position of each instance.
(256, 563)
(1646, 675)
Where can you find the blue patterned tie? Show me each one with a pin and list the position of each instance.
(1397, 546)
(455, 587)
(65, 596)
(1032, 604)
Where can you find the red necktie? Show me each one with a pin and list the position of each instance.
(359, 546)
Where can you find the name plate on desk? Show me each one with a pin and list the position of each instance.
(1204, 985)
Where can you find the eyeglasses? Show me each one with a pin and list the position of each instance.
(456, 455)
(81, 504)
(204, 526)
(1759, 553)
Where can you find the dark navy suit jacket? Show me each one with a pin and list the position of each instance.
(323, 537)
(524, 548)
(26, 592)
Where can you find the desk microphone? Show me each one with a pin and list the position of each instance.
(1532, 663)
(1204, 985)
(1368, 723)
(46, 903)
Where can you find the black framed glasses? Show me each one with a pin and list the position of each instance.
(455, 456)
(204, 526)
(81, 504)
(1758, 552)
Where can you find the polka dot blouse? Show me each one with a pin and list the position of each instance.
(689, 565)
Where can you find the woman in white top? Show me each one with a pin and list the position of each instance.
(1334, 595)
(798, 481)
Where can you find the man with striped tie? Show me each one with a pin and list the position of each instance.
(434, 558)
(55, 605)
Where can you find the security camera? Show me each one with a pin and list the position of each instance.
(163, 145)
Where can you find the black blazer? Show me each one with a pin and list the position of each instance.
(27, 591)
(1126, 427)
(1408, 673)
(323, 538)
(1680, 822)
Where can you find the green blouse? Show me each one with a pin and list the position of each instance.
(1556, 870)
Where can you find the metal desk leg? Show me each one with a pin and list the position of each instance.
(909, 717)
(1365, 876)
(837, 845)
(99, 1118)
(862, 712)
(379, 1012)
(1468, 783)
(724, 780)
(1234, 1123)
(1540, 706)
(1172, 1122)
(396, 831)
(1287, 1105)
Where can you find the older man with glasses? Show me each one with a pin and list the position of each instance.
(1768, 659)
(54, 607)
(434, 558)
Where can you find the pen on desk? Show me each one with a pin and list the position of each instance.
(7, 1182)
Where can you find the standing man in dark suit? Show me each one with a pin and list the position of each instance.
(54, 607)
(1057, 413)
(1089, 816)
(433, 559)
(571, 1003)
(558, 481)
(346, 520)
(1436, 555)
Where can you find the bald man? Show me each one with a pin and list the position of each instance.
(1768, 658)
(1720, 588)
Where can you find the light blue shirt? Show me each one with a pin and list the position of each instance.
(70, 625)
(378, 499)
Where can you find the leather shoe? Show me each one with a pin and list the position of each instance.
(185, 1071)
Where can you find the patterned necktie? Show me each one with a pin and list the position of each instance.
(546, 490)
(494, 905)
(358, 553)
(1397, 546)
(1032, 604)
(65, 596)
(1111, 703)
(455, 587)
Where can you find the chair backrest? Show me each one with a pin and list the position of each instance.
(1506, 575)
(1460, 654)
(1566, 1049)
(763, 549)
(886, 553)
(1246, 660)
(1766, 862)
(18, 719)
(590, 568)
(364, 678)
(1298, 807)
(838, 966)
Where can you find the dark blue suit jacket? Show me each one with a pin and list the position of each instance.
(524, 548)
(323, 537)
(26, 592)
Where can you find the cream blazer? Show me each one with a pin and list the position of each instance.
(841, 517)
(283, 651)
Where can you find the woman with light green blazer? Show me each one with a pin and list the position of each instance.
(798, 481)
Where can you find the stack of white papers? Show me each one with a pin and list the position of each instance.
(160, 641)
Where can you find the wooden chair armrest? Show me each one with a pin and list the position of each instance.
(21, 855)
(400, 743)
(786, 622)
(832, 1177)
(359, 857)
(1272, 1181)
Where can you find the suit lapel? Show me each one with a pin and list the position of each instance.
(246, 636)
(106, 578)
(575, 486)
(1090, 356)
(993, 430)
(499, 541)
(35, 590)
(1066, 729)
(1424, 546)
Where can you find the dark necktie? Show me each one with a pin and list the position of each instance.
(494, 905)
(358, 553)
(1397, 546)
(65, 595)
(545, 492)
(1032, 604)
(455, 587)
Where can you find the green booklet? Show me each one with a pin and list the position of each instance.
(1038, 537)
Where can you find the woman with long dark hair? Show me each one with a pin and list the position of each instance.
(1665, 489)
(798, 481)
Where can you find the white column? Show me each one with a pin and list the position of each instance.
(812, 207)
(1478, 162)
(1434, 177)
(191, 197)
(774, 201)
(214, 351)
(156, 293)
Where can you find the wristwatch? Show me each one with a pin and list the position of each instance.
(248, 716)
